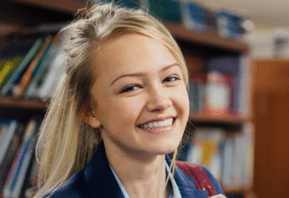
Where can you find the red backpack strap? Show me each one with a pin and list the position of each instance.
(196, 172)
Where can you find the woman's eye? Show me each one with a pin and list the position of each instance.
(171, 79)
(129, 88)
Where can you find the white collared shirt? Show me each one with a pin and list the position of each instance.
(176, 188)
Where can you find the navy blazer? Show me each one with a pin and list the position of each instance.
(98, 181)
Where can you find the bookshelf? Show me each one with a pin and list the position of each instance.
(198, 48)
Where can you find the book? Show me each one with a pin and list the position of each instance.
(23, 172)
(248, 130)
(217, 96)
(205, 148)
(198, 92)
(10, 56)
(5, 142)
(227, 161)
(33, 48)
(128, 3)
(193, 16)
(169, 11)
(3, 130)
(192, 92)
(239, 152)
(229, 65)
(229, 24)
(17, 173)
(39, 73)
(8, 67)
(18, 89)
(48, 87)
(5, 192)
(10, 154)
(29, 188)
(244, 93)
(211, 21)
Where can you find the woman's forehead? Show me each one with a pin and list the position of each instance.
(131, 51)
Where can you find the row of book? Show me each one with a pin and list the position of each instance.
(269, 45)
(223, 89)
(17, 157)
(192, 14)
(228, 155)
(209, 94)
(30, 67)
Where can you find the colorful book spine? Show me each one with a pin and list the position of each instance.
(193, 16)
(229, 66)
(8, 68)
(55, 69)
(21, 163)
(21, 67)
(39, 74)
(10, 155)
(19, 89)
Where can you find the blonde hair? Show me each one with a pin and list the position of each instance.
(66, 143)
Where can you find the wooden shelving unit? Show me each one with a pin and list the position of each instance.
(226, 119)
(207, 40)
(15, 103)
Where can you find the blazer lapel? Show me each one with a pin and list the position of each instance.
(99, 178)
(186, 184)
(101, 182)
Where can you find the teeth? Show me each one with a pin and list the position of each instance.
(157, 124)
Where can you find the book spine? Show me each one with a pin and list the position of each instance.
(8, 138)
(26, 78)
(17, 73)
(193, 16)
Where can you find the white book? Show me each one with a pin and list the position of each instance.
(239, 159)
(56, 68)
(216, 165)
(194, 154)
(227, 161)
(248, 130)
(245, 86)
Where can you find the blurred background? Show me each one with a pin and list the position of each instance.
(237, 53)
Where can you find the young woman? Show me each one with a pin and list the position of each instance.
(120, 107)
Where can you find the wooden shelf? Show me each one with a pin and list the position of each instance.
(209, 39)
(227, 119)
(36, 104)
(15, 103)
(236, 190)
(65, 6)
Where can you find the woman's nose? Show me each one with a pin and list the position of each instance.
(159, 100)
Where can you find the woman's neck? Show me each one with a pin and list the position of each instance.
(141, 178)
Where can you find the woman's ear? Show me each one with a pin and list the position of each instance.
(91, 119)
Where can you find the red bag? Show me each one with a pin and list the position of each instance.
(196, 172)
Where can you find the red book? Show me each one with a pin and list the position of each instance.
(217, 95)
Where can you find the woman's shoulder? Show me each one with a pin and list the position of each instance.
(74, 187)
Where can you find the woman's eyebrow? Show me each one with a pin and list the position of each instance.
(142, 74)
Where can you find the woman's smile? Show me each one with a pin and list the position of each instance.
(159, 127)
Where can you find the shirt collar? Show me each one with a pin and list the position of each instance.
(101, 182)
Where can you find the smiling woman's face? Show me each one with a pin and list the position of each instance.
(142, 101)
